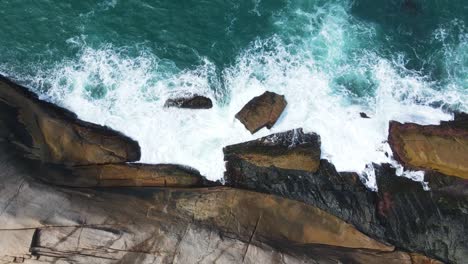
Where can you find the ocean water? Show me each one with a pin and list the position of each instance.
(115, 62)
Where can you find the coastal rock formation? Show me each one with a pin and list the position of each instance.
(325, 216)
(47, 133)
(402, 213)
(292, 149)
(341, 194)
(442, 148)
(191, 102)
(433, 222)
(123, 175)
(262, 111)
(43, 224)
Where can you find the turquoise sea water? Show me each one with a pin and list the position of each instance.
(115, 62)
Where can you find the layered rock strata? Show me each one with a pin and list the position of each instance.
(442, 148)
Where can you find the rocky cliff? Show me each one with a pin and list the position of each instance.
(70, 194)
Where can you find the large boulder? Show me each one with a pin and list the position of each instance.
(262, 111)
(190, 102)
(50, 134)
(443, 148)
(292, 149)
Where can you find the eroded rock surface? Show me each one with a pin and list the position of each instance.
(123, 175)
(46, 223)
(292, 149)
(45, 132)
(134, 225)
(190, 102)
(442, 148)
(433, 222)
(402, 213)
(262, 111)
(341, 194)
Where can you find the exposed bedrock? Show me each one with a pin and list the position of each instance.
(402, 213)
(442, 148)
(42, 223)
(45, 132)
(312, 181)
(299, 208)
(262, 111)
(434, 222)
(122, 175)
(190, 102)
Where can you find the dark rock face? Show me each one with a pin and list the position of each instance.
(460, 121)
(193, 102)
(341, 194)
(123, 175)
(43, 223)
(262, 111)
(363, 115)
(440, 148)
(292, 149)
(402, 213)
(433, 222)
(47, 133)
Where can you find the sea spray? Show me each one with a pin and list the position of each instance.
(324, 56)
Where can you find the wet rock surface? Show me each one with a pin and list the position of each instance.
(363, 115)
(402, 213)
(442, 148)
(341, 194)
(300, 209)
(433, 222)
(190, 102)
(45, 132)
(292, 149)
(262, 111)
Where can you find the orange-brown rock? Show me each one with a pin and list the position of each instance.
(262, 111)
(421, 259)
(124, 175)
(442, 148)
(265, 217)
(293, 149)
(45, 132)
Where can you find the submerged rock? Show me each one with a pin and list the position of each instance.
(442, 148)
(262, 111)
(363, 115)
(292, 149)
(47, 133)
(192, 102)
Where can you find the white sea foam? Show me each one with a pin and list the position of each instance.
(132, 92)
